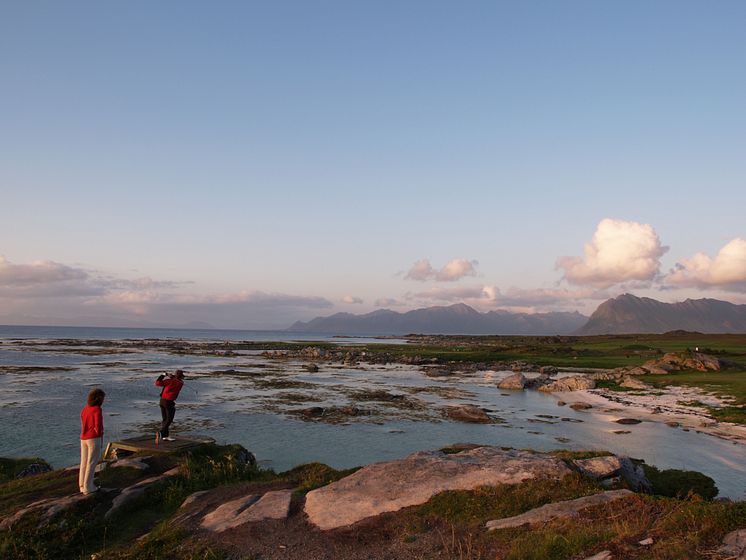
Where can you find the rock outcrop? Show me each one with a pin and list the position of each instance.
(251, 507)
(137, 490)
(571, 383)
(48, 509)
(558, 510)
(393, 485)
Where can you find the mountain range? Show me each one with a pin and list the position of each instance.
(624, 314)
(632, 314)
(453, 319)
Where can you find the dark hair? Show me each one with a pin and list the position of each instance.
(179, 374)
(96, 397)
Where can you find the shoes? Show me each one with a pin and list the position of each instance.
(167, 438)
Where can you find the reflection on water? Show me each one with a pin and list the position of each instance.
(252, 405)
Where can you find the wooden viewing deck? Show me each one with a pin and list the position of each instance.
(147, 444)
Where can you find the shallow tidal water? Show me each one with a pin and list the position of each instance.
(257, 403)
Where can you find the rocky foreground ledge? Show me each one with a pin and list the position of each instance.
(465, 501)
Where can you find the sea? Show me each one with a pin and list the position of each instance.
(251, 399)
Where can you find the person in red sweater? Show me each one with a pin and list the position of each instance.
(91, 440)
(171, 386)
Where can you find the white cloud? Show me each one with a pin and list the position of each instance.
(619, 252)
(456, 269)
(726, 271)
(421, 270)
(352, 300)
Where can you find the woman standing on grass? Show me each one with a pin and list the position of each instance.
(91, 439)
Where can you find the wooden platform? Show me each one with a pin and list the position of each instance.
(147, 444)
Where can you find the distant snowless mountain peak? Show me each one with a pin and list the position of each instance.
(625, 314)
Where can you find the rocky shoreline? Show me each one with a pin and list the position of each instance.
(498, 503)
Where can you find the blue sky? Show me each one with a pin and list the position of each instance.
(162, 162)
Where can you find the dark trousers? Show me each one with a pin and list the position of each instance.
(168, 410)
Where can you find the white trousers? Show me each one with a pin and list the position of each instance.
(90, 451)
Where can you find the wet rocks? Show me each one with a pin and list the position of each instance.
(393, 485)
(628, 421)
(468, 413)
(515, 382)
(548, 370)
(311, 368)
(572, 383)
(558, 510)
(581, 406)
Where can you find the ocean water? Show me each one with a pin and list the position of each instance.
(204, 335)
(254, 401)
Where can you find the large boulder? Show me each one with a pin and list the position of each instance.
(571, 383)
(393, 485)
(515, 382)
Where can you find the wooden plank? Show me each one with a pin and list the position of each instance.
(149, 445)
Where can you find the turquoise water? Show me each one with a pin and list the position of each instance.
(39, 412)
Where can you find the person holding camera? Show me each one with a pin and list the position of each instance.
(171, 385)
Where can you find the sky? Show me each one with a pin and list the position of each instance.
(249, 164)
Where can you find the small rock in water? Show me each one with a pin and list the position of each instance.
(561, 403)
(468, 413)
(580, 406)
(312, 368)
(673, 424)
(621, 432)
(628, 421)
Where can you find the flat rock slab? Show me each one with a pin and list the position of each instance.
(557, 510)
(393, 485)
(251, 507)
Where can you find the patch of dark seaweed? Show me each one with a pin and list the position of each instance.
(269, 384)
(35, 369)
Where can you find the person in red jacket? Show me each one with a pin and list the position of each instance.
(171, 386)
(91, 440)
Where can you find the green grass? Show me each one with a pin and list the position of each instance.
(675, 483)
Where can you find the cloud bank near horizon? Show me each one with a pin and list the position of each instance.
(621, 255)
